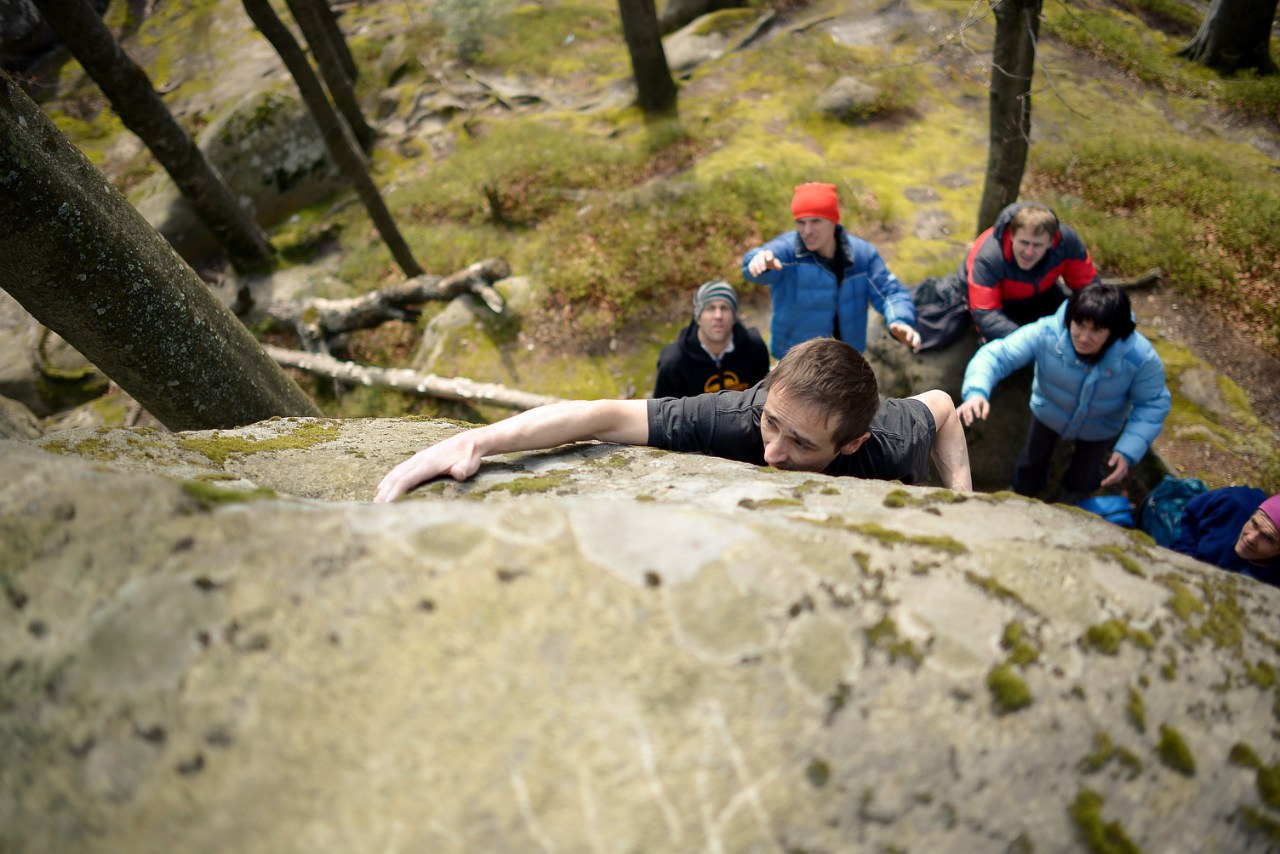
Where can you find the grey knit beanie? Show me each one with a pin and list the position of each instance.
(714, 290)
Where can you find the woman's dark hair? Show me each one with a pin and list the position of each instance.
(1107, 306)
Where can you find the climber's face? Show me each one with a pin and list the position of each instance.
(1259, 540)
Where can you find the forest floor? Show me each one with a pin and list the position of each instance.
(1231, 349)
(1207, 331)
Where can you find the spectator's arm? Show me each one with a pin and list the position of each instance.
(1151, 405)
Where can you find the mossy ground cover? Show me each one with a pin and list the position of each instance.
(617, 219)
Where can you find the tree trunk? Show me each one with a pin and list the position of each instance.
(85, 264)
(403, 379)
(337, 137)
(328, 20)
(141, 110)
(1235, 36)
(1013, 58)
(331, 69)
(656, 90)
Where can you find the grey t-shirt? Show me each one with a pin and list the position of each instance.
(727, 424)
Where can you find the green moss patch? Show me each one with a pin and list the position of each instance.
(993, 588)
(1021, 651)
(530, 485)
(1120, 556)
(1135, 711)
(1009, 692)
(1107, 637)
(1104, 752)
(765, 503)
(884, 636)
(902, 498)
(1099, 835)
(1183, 603)
(1260, 824)
(218, 448)
(208, 496)
(1174, 753)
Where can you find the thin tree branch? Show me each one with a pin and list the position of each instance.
(403, 379)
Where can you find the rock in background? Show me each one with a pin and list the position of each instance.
(212, 643)
(271, 153)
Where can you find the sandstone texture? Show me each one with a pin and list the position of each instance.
(211, 642)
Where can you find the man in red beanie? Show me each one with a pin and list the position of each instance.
(822, 279)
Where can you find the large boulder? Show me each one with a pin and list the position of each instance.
(705, 39)
(271, 153)
(676, 13)
(212, 643)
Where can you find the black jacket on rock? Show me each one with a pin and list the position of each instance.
(686, 369)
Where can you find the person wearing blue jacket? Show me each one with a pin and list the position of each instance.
(1098, 382)
(822, 278)
(1234, 528)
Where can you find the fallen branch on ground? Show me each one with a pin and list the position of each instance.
(427, 385)
(319, 319)
(1142, 280)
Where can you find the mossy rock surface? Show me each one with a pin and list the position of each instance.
(203, 625)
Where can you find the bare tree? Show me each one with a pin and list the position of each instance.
(140, 108)
(656, 90)
(1235, 36)
(331, 68)
(329, 21)
(337, 136)
(1013, 59)
(85, 264)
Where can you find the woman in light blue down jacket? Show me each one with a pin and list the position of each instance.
(1097, 382)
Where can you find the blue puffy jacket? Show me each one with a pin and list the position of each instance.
(1124, 394)
(805, 294)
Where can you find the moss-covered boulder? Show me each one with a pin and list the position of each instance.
(271, 153)
(212, 642)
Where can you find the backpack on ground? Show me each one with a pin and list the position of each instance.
(942, 311)
(1163, 506)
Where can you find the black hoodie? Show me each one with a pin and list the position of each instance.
(685, 369)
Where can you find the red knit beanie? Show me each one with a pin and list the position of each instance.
(816, 200)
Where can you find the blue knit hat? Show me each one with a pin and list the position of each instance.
(714, 290)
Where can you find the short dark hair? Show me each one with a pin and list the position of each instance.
(833, 377)
(1034, 217)
(1107, 306)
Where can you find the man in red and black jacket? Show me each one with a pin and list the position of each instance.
(1012, 268)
